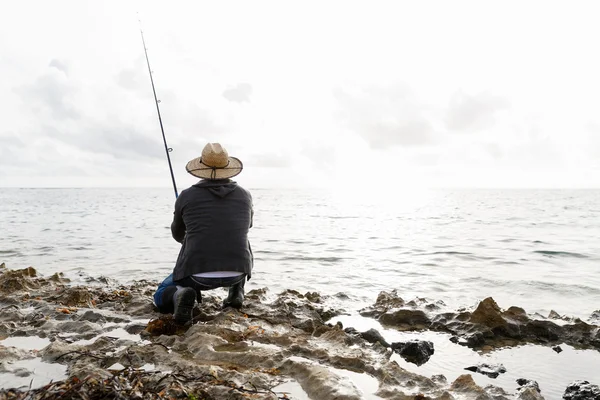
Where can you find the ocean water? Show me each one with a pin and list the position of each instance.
(538, 249)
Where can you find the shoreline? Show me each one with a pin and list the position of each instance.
(94, 336)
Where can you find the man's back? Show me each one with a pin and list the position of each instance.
(212, 219)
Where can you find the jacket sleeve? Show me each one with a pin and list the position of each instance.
(178, 226)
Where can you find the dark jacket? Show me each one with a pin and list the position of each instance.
(211, 221)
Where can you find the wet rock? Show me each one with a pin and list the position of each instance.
(582, 390)
(74, 296)
(465, 383)
(491, 370)
(543, 330)
(373, 336)
(92, 316)
(417, 352)
(441, 379)
(385, 301)
(12, 281)
(527, 383)
(557, 349)
(529, 394)
(407, 319)
(488, 313)
(595, 317)
(554, 315)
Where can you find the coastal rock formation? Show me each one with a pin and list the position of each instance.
(414, 351)
(110, 341)
(582, 390)
(486, 326)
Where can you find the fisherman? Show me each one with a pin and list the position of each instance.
(211, 221)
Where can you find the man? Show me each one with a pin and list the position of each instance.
(211, 221)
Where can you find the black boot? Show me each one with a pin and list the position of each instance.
(236, 296)
(184, 299)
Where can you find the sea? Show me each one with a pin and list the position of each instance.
(536, 249)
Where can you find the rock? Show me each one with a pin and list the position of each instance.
(417, 352)
(529, 394)
(17, 280)
(544, 330)
(488, 313)
(582, 390)
(373, 336)
(465, 383)
(595, 317)
(414, 319)
(441, 379)
(93, 316)
(351, 331)
(554, 315)
(527, 383)
(493, 371)
(557, 349)
(389, 300)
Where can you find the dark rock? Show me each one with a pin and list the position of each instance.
(411, 318)
(493, 371)
(544, 330)
(351, 331)
(557, 349)
(416, 351)
(582, 390)
(373, 336)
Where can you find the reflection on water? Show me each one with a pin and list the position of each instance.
(553, 371)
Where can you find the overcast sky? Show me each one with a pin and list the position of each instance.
(448, 93)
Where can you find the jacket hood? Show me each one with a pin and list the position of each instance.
(219, 188)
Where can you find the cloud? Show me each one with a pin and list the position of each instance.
(386, 116)
(50, 92)
(473, 112)
(59, 65)
(239, 94)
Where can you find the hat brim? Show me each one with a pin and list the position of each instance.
(198, 169)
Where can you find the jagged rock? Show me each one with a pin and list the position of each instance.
(488, 313)
(527, 383)
(493, 371)
(529, 394)
(557, 349)
(373, 336)
(411, 319)
(417, 352)
(582, 390)
(19, 279)
(465, 383)
(385, 301)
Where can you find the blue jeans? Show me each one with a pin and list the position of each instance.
(164, 293)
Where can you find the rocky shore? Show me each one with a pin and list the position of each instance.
(104, 340)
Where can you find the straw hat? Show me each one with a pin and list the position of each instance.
(214, 164)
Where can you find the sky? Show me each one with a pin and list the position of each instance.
(311, 93)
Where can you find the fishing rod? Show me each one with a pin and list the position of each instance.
(167, 148)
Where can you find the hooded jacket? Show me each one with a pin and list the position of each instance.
(211, 220)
